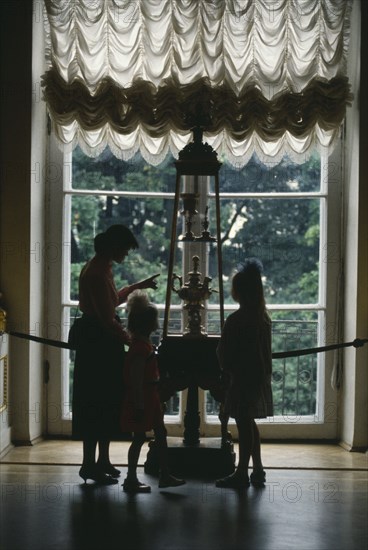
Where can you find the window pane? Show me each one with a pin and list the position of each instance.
(294, 380)
(284, 235)
(108, 173)
(285, 177)
(150, 221)
(213, 321)
(212, 407)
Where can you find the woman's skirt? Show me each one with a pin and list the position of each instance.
(97, 383)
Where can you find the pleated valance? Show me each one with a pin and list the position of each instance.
(264, 76)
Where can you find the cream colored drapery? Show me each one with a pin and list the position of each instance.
(264, 76)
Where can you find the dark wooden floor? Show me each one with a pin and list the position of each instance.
(46, 507)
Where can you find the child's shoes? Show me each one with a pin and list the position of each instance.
(233, 481)
(170, 481)
(258, 478)
(135, 486)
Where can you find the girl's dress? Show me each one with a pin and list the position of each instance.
(153, 414)
(99, 359)
(244, 353)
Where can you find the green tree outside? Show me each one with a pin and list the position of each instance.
(282, 232)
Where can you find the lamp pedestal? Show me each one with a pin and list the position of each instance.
(207, 459)
(192, 363)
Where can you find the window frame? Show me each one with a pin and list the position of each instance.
(59, 196)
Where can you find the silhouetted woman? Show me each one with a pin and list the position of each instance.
(99, 360)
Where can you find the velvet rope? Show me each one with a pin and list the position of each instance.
(357, 343)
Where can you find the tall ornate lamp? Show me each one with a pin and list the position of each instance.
(197, 162)
(188, 359)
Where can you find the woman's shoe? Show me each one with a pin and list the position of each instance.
(258, 478)
(108, 469)
(135, 486)
(170, 481)
(233, 481)
(96, 475)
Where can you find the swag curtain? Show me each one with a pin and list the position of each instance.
(264, 76)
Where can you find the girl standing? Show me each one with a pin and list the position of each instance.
(244, 353)
(142, 409)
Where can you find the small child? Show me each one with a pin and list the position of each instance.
(244, 353)
(142, 409)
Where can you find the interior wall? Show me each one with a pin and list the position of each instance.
(23, 140)
(354, 393)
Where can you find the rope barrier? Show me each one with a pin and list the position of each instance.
(39, 340)
(357, 343)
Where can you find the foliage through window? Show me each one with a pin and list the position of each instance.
(273, 212)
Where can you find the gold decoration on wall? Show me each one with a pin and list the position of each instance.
(4, 382)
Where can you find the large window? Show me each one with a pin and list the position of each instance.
(276, 212)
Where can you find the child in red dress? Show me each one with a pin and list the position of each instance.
(142, 409)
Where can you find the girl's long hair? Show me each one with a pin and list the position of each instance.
(247, 288)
